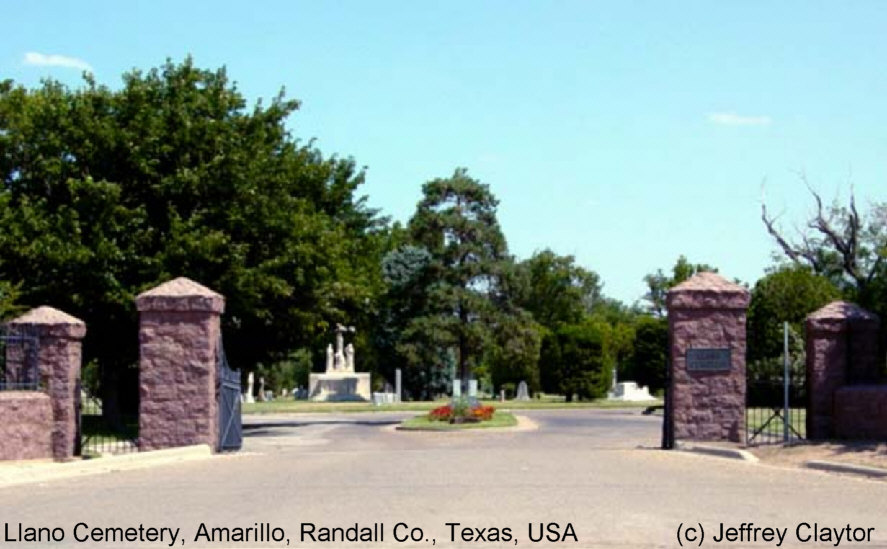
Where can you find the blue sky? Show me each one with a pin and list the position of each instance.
(624, 133)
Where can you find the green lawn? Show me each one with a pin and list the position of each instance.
(289, 406)
(422, 423)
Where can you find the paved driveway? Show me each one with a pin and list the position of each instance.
(595, 470)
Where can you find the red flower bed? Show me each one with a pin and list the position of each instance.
(483, 413)
(447, 413)
(442, 413)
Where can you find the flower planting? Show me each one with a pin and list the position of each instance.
(462, 412)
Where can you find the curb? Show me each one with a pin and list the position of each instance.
(37, 472)
(718, 451)
(833, 467)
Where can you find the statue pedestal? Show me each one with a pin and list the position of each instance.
(339, 386)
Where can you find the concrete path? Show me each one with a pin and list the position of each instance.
(595, 470)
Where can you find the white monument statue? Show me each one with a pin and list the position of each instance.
(340, 381)
(629, 391)
(349, 358)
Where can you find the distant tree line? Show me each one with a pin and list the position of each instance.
(107, 193)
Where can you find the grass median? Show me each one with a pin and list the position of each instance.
(423, 423)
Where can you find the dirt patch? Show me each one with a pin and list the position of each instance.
(871, 454)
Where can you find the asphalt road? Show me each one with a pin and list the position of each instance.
(597, 471)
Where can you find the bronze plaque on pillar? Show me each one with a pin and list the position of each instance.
(708, 360)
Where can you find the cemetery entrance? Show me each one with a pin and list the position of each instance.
(109, 411)
(776, 385)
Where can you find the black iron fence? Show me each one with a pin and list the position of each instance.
(109, 420)
(768, 419)
(776, 387)
(19, 363)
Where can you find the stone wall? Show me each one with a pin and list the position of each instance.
(59, 359)
(860, 412)
(842, 349)
(179, 335)
(27, 425)
(707, 312)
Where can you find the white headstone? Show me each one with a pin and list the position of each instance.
(522, 392)
(329, 358)
(472, 388)
(397, 385)
(249, 388)
(457, 388)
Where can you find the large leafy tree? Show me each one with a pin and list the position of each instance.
(649, 351)
(400, 339)
(556, 290)
(456, 223)
(786, 294)
(107, 192)
(659, 283)
(514, 355)
(576, 361)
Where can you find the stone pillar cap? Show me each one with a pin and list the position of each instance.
(59, 323)
(707, 290)
(180, 294)
(840, 310)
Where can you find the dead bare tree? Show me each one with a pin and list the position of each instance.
(833, 238)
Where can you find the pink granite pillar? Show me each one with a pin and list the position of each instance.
(178, 337)
(59, 358)
(842, 348)
(706, 330)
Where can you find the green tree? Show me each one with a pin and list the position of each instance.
(108, 192)
(456, 223)
(786, 294)
(514, 355)
(575, 362)
(399, 334)
(556, 290)
(659, 283)
(9, 294)
(649, 353)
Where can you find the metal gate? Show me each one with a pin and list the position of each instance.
(667, 409)
(228, 389)
(109, 411)
(776, 395)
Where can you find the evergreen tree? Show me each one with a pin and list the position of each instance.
(456, 223)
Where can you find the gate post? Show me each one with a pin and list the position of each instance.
(842, 348)
(59, 360)
(178, 350)
(706, 333)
